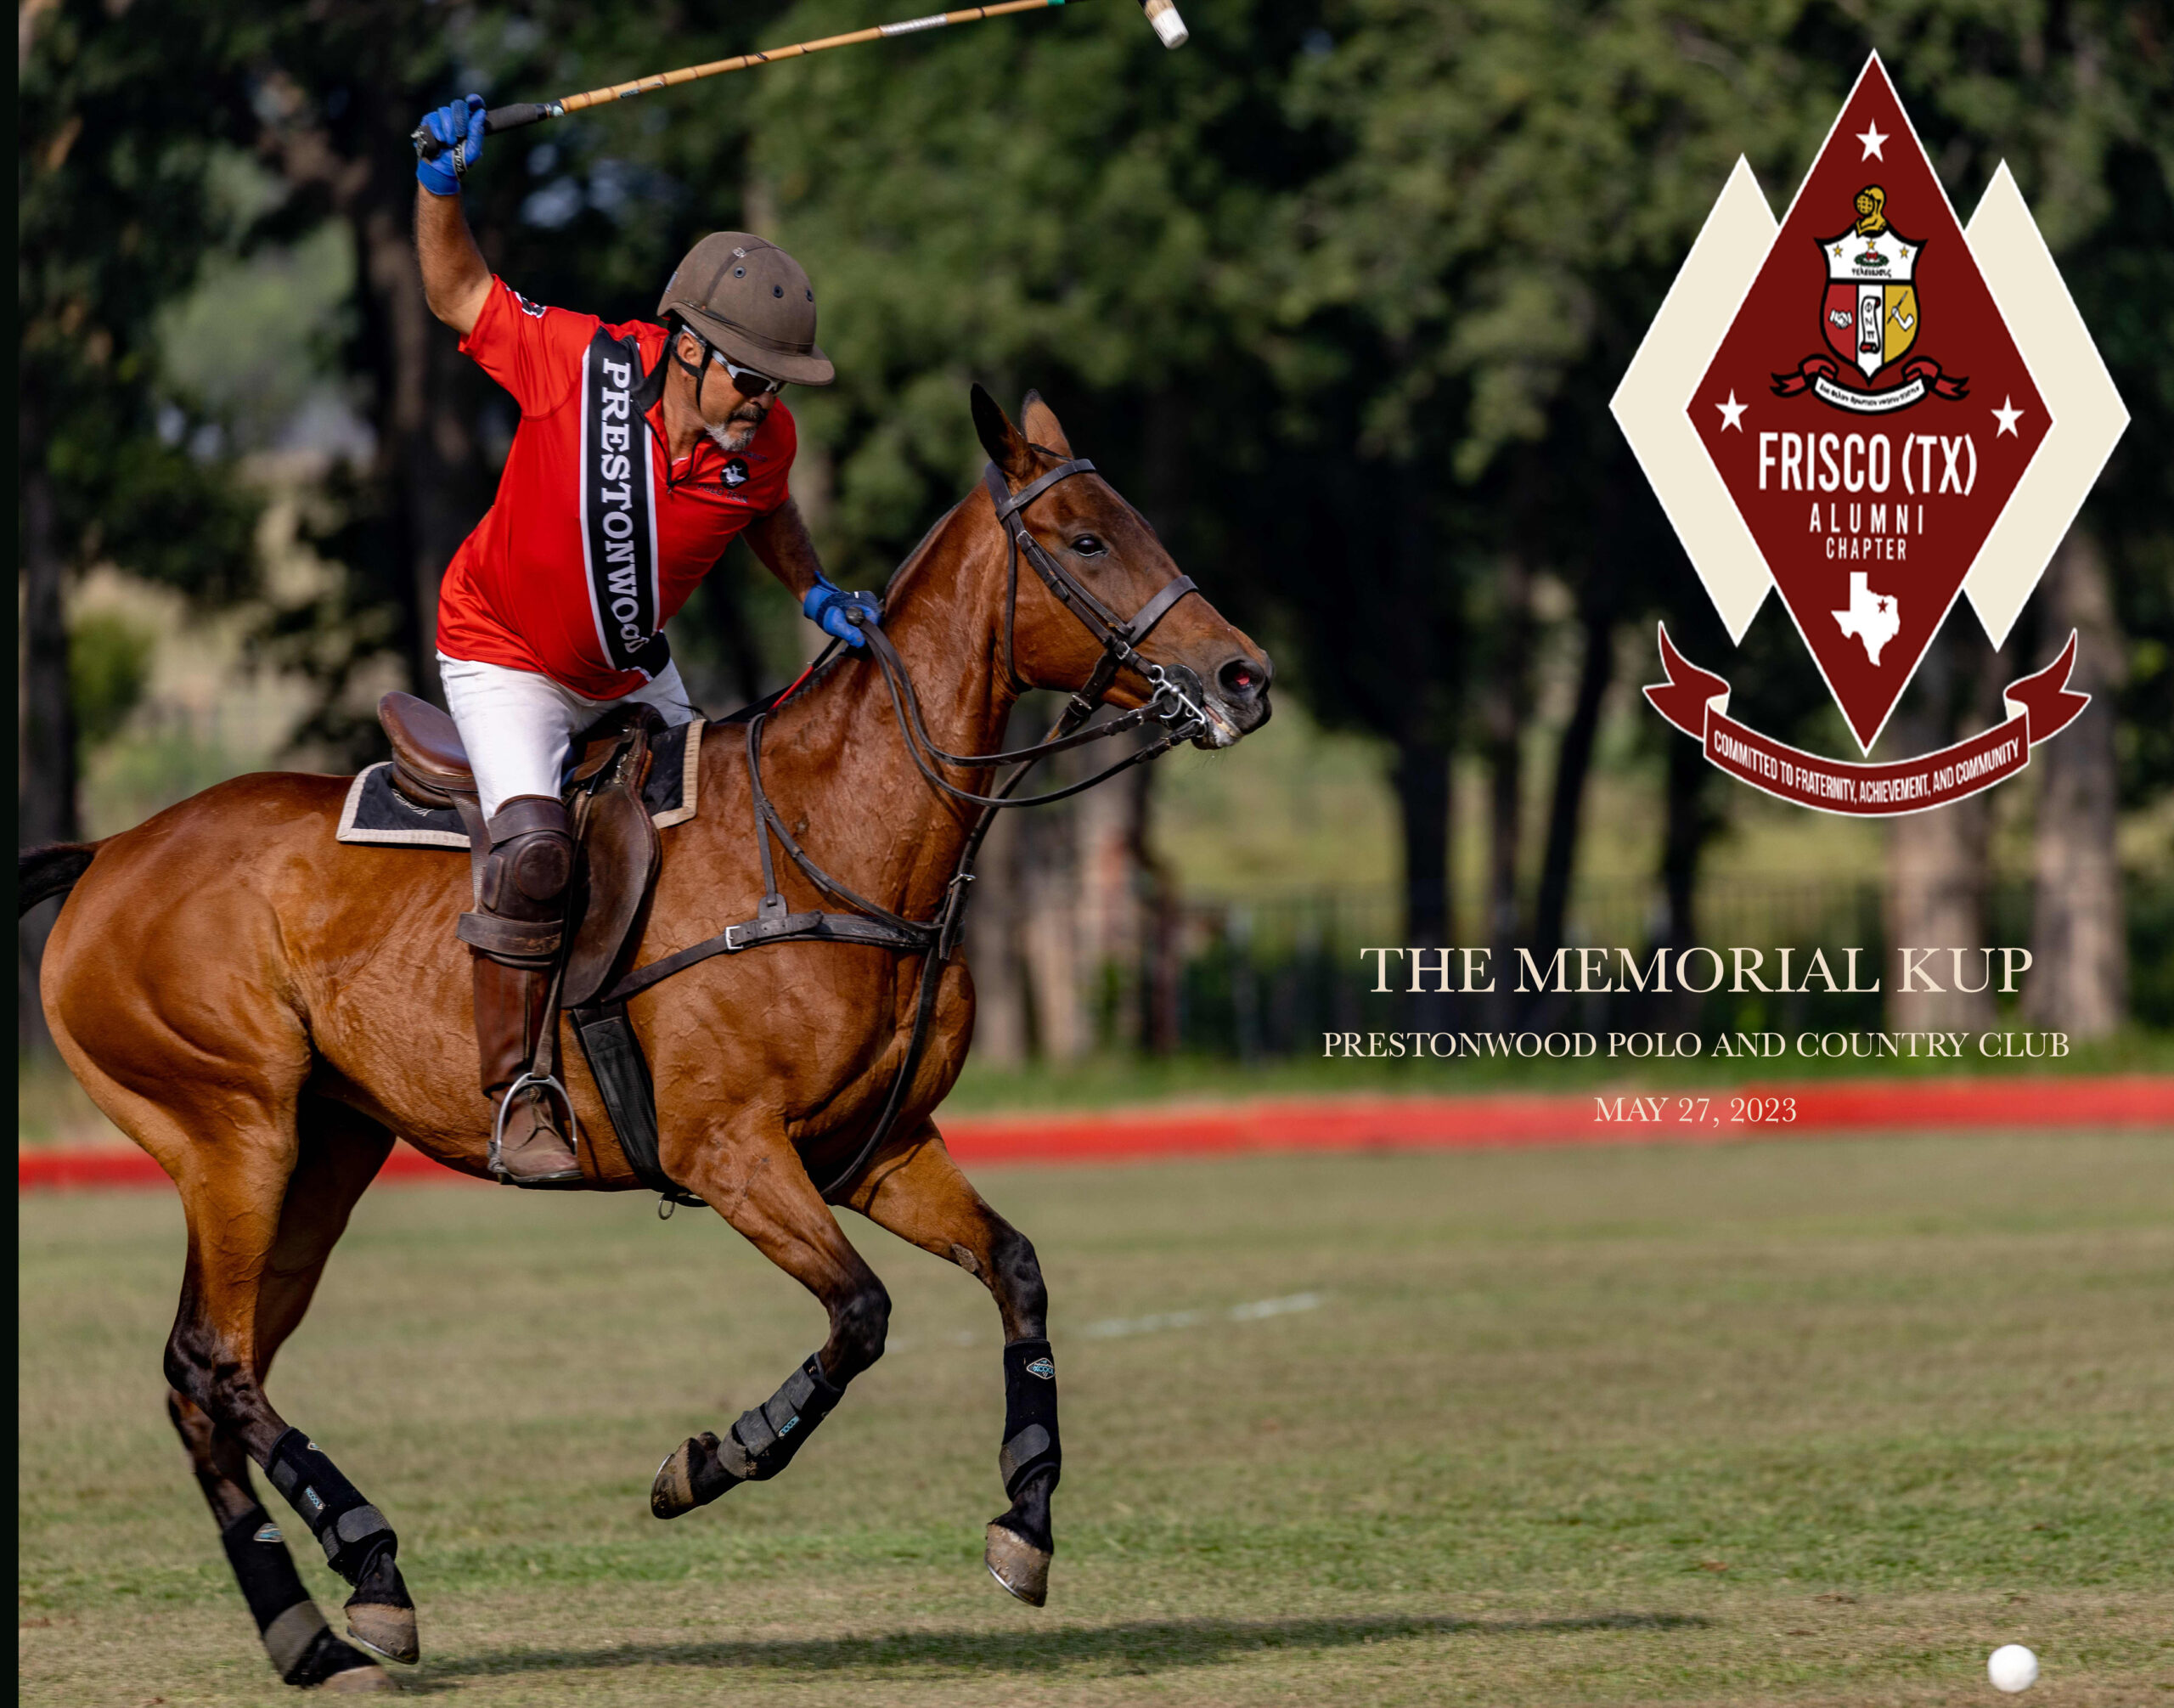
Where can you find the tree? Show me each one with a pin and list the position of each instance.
(117, 203)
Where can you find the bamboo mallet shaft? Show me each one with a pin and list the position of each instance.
(1170, 28)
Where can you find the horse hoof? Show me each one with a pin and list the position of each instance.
(693, 1476)
(370, 1680)
(673, 1492)
(1022, 1568)
(387, 1631)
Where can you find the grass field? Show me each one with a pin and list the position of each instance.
(1820, 1422)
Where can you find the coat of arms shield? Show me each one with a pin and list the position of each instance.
(1870, 314)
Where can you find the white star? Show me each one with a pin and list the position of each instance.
(1871, 138)
(2007, 415)
(1731, 413)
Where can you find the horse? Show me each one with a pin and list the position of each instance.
(263, 1009)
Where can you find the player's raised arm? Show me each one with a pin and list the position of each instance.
(456, 279)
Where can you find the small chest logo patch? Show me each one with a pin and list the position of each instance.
(736, 473)
(267, 1533)
(535, 310)
(1044, 1368)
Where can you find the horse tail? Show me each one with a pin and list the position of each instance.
(41, 874)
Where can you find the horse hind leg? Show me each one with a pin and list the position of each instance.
(301, 1648)
(768, 1199)
(919, 1194)
(257, 1245)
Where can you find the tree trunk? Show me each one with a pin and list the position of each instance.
(1116, 890)
(992, 948)
(2078, 982)
(1508, 705)
(1936, 899)
(1420, 777)
(1049, 924)
(1936, 859)
(1166, 493)
(428, 458)
(1159, 942)
(1690, 824)
(46, 746)
(1573, 762)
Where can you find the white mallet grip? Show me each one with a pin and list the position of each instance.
(1164, 15)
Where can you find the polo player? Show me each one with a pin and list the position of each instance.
(629, 477)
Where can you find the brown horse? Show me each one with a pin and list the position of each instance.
(263, 1009)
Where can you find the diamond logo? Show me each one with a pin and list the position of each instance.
(1867, 461)
(1874, 412)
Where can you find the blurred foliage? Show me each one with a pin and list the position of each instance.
(118, 206)
(108, 668)
(1337, 295)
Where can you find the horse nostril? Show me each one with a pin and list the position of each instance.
(1242, 679)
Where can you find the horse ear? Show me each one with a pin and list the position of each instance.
(1042, 426)
(1001, 440)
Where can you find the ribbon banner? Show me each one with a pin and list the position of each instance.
(1697, 701)
(1920, 375)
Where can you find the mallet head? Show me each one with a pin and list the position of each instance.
(1164, 15)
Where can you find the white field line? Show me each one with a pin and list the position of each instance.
(1112, 1327)
(1115, 1327)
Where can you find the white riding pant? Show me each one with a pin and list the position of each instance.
(519, 727)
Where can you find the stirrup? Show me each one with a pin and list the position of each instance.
(550, 1083)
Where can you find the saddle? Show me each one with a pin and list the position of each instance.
(618, 853)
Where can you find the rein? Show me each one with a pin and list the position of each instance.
(936, 939)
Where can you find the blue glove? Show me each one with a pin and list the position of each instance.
(832, 610)
(459, 125)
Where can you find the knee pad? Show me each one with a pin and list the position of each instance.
(532, 858)
(347, 1527)
(1031, 1445)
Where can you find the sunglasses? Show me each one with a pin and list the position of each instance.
(746, 380)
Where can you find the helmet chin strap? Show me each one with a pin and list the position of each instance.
(701, 370)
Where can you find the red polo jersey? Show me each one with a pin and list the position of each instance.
(596, 538)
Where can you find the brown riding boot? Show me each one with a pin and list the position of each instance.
(516, 933)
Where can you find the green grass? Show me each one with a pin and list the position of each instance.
(1806, 1423)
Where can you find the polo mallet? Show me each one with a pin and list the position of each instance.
(1162, 13)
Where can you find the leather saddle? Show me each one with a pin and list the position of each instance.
(619, 853)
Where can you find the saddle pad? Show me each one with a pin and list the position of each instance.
(378, 813)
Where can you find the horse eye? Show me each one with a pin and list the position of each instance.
(1088, 546)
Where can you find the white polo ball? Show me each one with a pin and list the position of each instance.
(2012, 1668)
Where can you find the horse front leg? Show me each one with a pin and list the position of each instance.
(766, 1195)
(917, 1192)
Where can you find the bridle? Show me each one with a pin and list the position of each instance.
(1167, 701)
(1120, 638)
(936, 939)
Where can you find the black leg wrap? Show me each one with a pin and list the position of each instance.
(1030, 1437)
(303, 1651)
(760, 1444)
(348, 1528)
(763, 1441)
(706, 1475)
